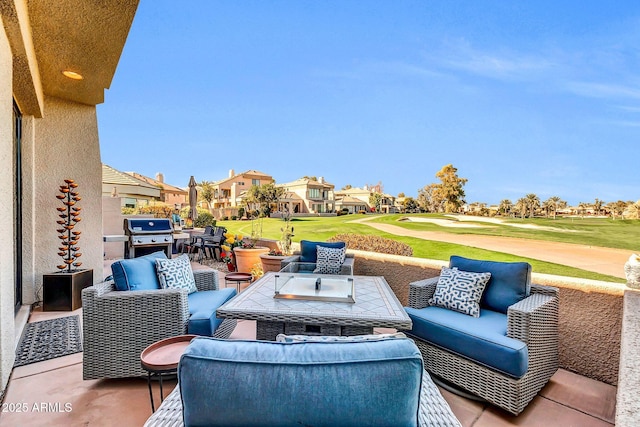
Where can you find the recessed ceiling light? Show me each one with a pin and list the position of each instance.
(72, 75)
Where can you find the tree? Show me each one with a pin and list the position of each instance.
(426, 200)
(505, 206)
(597, 206)
(310, 178)
(374, 200)
(533, 203)
(521, 206)
(617, 208)
(401, 195)
(347, 187)
(262, 197)
(410, 204)
(449, 193)
(206, 192)
(552, 204)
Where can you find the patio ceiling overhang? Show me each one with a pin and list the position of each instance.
(49, 37)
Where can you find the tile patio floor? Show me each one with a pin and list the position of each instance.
(44, 388)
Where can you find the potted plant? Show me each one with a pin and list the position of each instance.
(62, 290)
(272, 261)
(244, 252)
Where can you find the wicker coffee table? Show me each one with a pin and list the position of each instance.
(375, 306)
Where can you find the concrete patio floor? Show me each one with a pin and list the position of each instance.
(53, 393)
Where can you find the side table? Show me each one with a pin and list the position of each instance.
(162, 358)
(238, 278)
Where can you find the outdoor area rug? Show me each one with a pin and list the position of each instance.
(49, 339)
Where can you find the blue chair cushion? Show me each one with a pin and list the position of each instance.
(510, 281)
(137, 274)
(202, 310)
(309, 251)
(251, 383)
(483, 340)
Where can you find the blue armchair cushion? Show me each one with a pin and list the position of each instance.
(483, 340)
(347, 384)
(176, 273)
(202, 310)
(309, 251)
(460, 290)
(137, 274)
(510, 281)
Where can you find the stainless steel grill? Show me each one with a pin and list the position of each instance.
(147, 235)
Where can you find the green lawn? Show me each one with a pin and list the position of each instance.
(594, 232)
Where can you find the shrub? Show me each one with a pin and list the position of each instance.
(158, 211)
(225, 218)
(204, 218)
(373, 244)
(127, 210)
(233, 217)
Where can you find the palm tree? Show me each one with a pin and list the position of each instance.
(533, 202)
(505, 206)
(521, 205)
(583, 208)
(206, 192)
(597, 206)
(553, 203)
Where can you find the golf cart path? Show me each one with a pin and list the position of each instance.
(600, 260)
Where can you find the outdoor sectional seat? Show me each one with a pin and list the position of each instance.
(306, 257)
(508, 353)
(119, 324)
(379, 382)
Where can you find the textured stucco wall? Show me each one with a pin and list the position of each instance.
(7, 280)
(66, 146)
(627, 402)
(590, 317)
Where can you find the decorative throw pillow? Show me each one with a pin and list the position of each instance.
(176, 273)
(137, 274)
(329, 260)
(460, 290)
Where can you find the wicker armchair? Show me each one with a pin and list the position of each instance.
(118, 325)
(533, 320)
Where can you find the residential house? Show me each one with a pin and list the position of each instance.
(345, 199)
(169, 194)
(133, 192)
(308, 196)
(56, 59)
(229, 193)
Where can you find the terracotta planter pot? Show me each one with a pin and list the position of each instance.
(246, 258)
(271, 262)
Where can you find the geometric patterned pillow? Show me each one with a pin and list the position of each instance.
(329, 260)
(460, 290)
(176, 273)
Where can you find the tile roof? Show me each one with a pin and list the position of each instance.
(156, 183)
(114, 176)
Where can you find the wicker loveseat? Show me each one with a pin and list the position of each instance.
(118, 325)
(304, 260)
(502, 357)
(379, 382)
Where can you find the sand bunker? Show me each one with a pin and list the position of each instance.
(464, 221)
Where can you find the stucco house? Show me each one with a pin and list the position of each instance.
(56, 60)
(133, 192)
(169, 194)
(230, 192)
(308, 196)
(347, 199)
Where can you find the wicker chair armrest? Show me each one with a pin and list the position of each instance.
(421, 292)
(98, 289)
(206, 280)
(544, 290)
(534, 319)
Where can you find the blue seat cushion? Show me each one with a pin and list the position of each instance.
(309, 251)
(510, 281)
(137, 274)
(483, 339)
(202, 310)
(251, 383)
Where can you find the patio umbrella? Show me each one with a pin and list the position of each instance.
(193, 200)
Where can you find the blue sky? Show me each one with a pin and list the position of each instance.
(521, 96)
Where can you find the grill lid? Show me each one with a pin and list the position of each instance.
(147, 226)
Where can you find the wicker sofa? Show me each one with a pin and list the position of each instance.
(452, 343)
(335, 383)
(118, 325)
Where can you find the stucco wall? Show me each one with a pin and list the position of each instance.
(590, 317)
(66, 146)
(7, 280)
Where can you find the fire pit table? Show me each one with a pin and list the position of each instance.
(372, 304)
